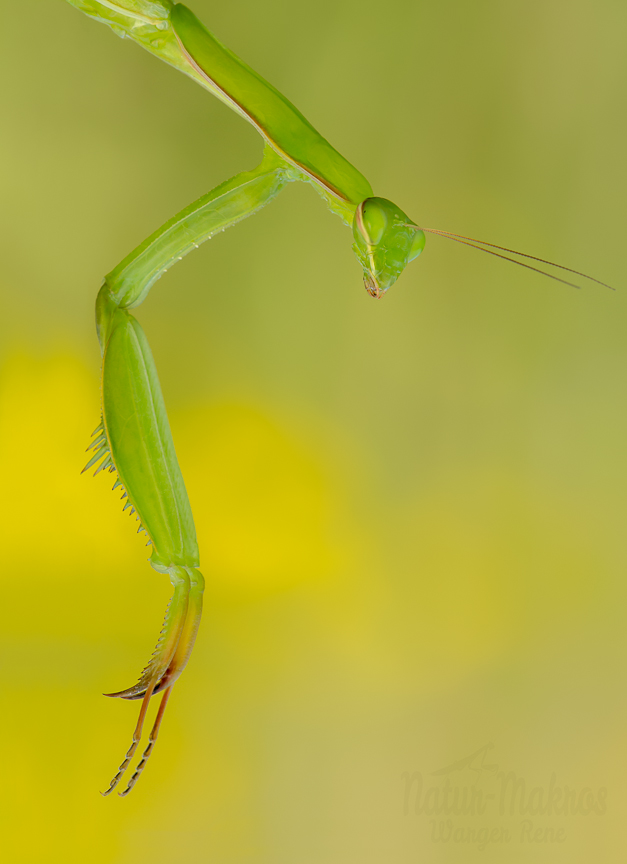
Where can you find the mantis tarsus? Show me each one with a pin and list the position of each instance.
(133, 438)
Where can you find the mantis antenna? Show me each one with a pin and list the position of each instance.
(133, 438)
(479, 244)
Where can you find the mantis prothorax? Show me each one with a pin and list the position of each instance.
(133, 438)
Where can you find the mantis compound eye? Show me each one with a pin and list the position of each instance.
(385, 242)
(371, 220)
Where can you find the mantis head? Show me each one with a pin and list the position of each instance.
(385, 242)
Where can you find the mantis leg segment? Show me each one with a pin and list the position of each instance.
(190, 631)
(137, 734)
(186, 642)
(154, 732)
(224, 206)
(177, 665)
(187, 636)
(169, 639)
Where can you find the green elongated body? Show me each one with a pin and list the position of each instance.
(134, 436)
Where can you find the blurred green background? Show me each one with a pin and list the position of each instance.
(412, 513)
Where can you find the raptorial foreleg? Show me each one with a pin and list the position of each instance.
(134, 436)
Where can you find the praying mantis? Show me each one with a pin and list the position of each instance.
(133, 438)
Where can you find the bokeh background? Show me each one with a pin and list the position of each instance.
(412, 513)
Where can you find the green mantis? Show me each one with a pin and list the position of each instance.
(133, 438)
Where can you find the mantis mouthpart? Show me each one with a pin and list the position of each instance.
(133, 438)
